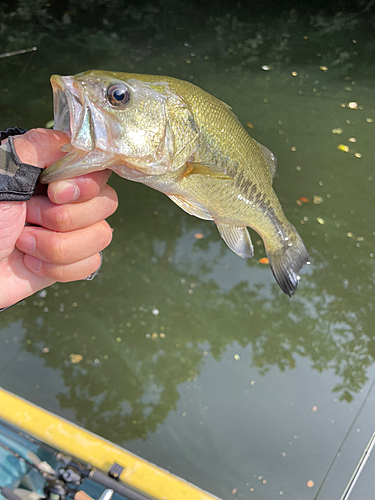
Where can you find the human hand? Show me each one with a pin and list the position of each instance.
(68, 228)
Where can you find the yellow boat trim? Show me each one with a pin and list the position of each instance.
(73, 440)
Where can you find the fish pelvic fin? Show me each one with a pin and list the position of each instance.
(191, 207)
(238, 239)
(286, 260)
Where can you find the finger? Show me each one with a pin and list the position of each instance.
(40, 147)
(78, 189)
(18, 282)
(42, 212)
(70, 272)
(64, 248)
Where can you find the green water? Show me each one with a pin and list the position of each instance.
(192, 357)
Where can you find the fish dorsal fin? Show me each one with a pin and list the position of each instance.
(271, 160)
(214, 171)
(191, 207)
(238, 239)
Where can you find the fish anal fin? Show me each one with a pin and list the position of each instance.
(214, 171)
(238, 239)
(191, 207)
(271, 160)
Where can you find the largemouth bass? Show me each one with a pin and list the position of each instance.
(176, 138)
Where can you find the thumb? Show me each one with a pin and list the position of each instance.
(40, 147)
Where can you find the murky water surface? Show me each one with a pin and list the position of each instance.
(181, 351)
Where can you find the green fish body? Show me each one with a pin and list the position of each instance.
(174, 137)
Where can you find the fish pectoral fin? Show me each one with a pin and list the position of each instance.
(238, 239)
(271, 160)
(214, 171)
(191, 207)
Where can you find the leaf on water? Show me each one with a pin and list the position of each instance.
(75, 358)
(264, 260)
(343, 147)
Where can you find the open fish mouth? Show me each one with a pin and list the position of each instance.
(71, 115)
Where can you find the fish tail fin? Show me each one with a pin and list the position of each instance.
(286, 259)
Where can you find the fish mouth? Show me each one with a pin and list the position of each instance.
(71, 114)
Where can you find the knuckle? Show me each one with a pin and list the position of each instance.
(63, 218)
(58, 250)
(59, 274)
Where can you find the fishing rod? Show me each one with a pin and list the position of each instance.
(17, 52)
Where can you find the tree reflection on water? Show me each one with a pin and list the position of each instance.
(143, 325)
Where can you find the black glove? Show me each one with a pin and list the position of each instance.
(17, 180)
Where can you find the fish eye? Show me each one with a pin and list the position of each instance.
(118, 95)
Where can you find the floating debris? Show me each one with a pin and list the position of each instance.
(320, 220)
(310, 483)
(353, 105)
(198, 236)
(266, 68)
(264, 260)
(358, 155)
(294, 73)
(337, 131)
(369, 120)
(343, 147)
(352, 139)
(45, 350)
(75, 358)
(318, 200)
(314, 409)
(155, 312)
(237, 357)
(323, 68)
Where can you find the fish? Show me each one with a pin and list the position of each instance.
(174, 137)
